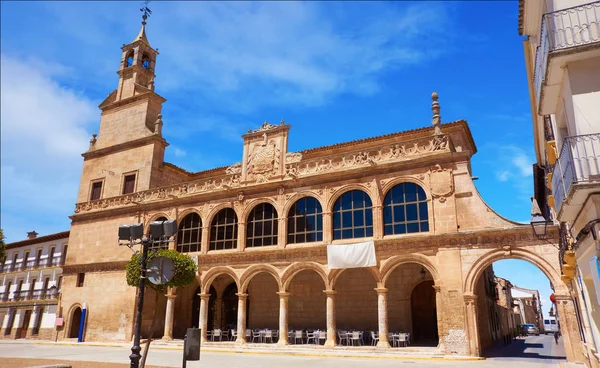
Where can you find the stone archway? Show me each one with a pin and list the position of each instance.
(545, 258)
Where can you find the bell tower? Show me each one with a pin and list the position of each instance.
(127, 154)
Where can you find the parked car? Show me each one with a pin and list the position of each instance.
(530, 329)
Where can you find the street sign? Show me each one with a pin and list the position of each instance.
(160, 270)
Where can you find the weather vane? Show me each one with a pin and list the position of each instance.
(145, 11)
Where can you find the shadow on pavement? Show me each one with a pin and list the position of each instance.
(517, 350)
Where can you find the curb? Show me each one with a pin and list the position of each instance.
(334, 354)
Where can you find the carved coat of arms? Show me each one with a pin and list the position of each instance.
(441, 182)
(263, 161)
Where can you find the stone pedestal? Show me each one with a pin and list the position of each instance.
(204, 298)
(169, 316)
(331, 331)
(382, 315)
(283, 318)
(241, 323)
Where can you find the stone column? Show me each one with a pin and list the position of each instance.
(204, 242)
(472, 328)
(569, 327)
(283, 318)
(439, 309)
(241, 239)
(281, 232)
(241, 322)
(377, 222)
(331, 331)
(169, 316)
(382, 314)
(327, 228)
(204, 299)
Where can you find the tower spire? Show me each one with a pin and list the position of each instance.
(146, 12)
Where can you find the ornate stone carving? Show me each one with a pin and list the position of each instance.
(265, 126)
(440, 182)
(234, 169)
(263, 160)
(388, 153)
(293, 157)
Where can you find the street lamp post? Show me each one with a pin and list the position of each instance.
(132, 235)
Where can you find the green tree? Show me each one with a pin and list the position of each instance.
(2, 247)
(185, 274)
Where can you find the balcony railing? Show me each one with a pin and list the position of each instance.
(579, 162)
(42, 294)
(32, 264)
(563, 29)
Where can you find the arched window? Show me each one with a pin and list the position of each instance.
(405, 210)
(129, 59)
(162, 244)
(353, 216)
(262, 226)
(145, 62)
(305, 221)
(223, 230)
(189, 237)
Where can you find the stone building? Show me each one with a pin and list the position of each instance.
(562, 57)
(505, 308)
(529, 306)
(260, 229)
(30, 285)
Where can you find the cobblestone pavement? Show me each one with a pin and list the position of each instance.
(533, 352)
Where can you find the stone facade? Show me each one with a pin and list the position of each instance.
(285, 283)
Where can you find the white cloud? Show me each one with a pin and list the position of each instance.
(292, 52)
(503, 175)
(43, 134)
(178, 152)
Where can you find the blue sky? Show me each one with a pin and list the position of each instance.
(352, 69)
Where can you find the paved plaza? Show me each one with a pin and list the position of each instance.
(535, 351)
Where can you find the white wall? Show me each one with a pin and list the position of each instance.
(584, 83)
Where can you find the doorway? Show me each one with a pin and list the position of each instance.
(75, 322)
(424, 314)
(26, 320)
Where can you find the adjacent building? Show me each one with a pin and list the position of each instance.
(562, 54)
(30, 286)
(528, 306)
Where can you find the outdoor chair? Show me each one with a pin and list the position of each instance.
(217, 333)
(268, 335)
(298, 335)
(402, 339)
(311, 336)
(343, 336)
(356, 337)
(374, 338)
(256, 335)
(233, 335)
(322, 336)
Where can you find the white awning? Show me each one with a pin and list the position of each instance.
(351, 255)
